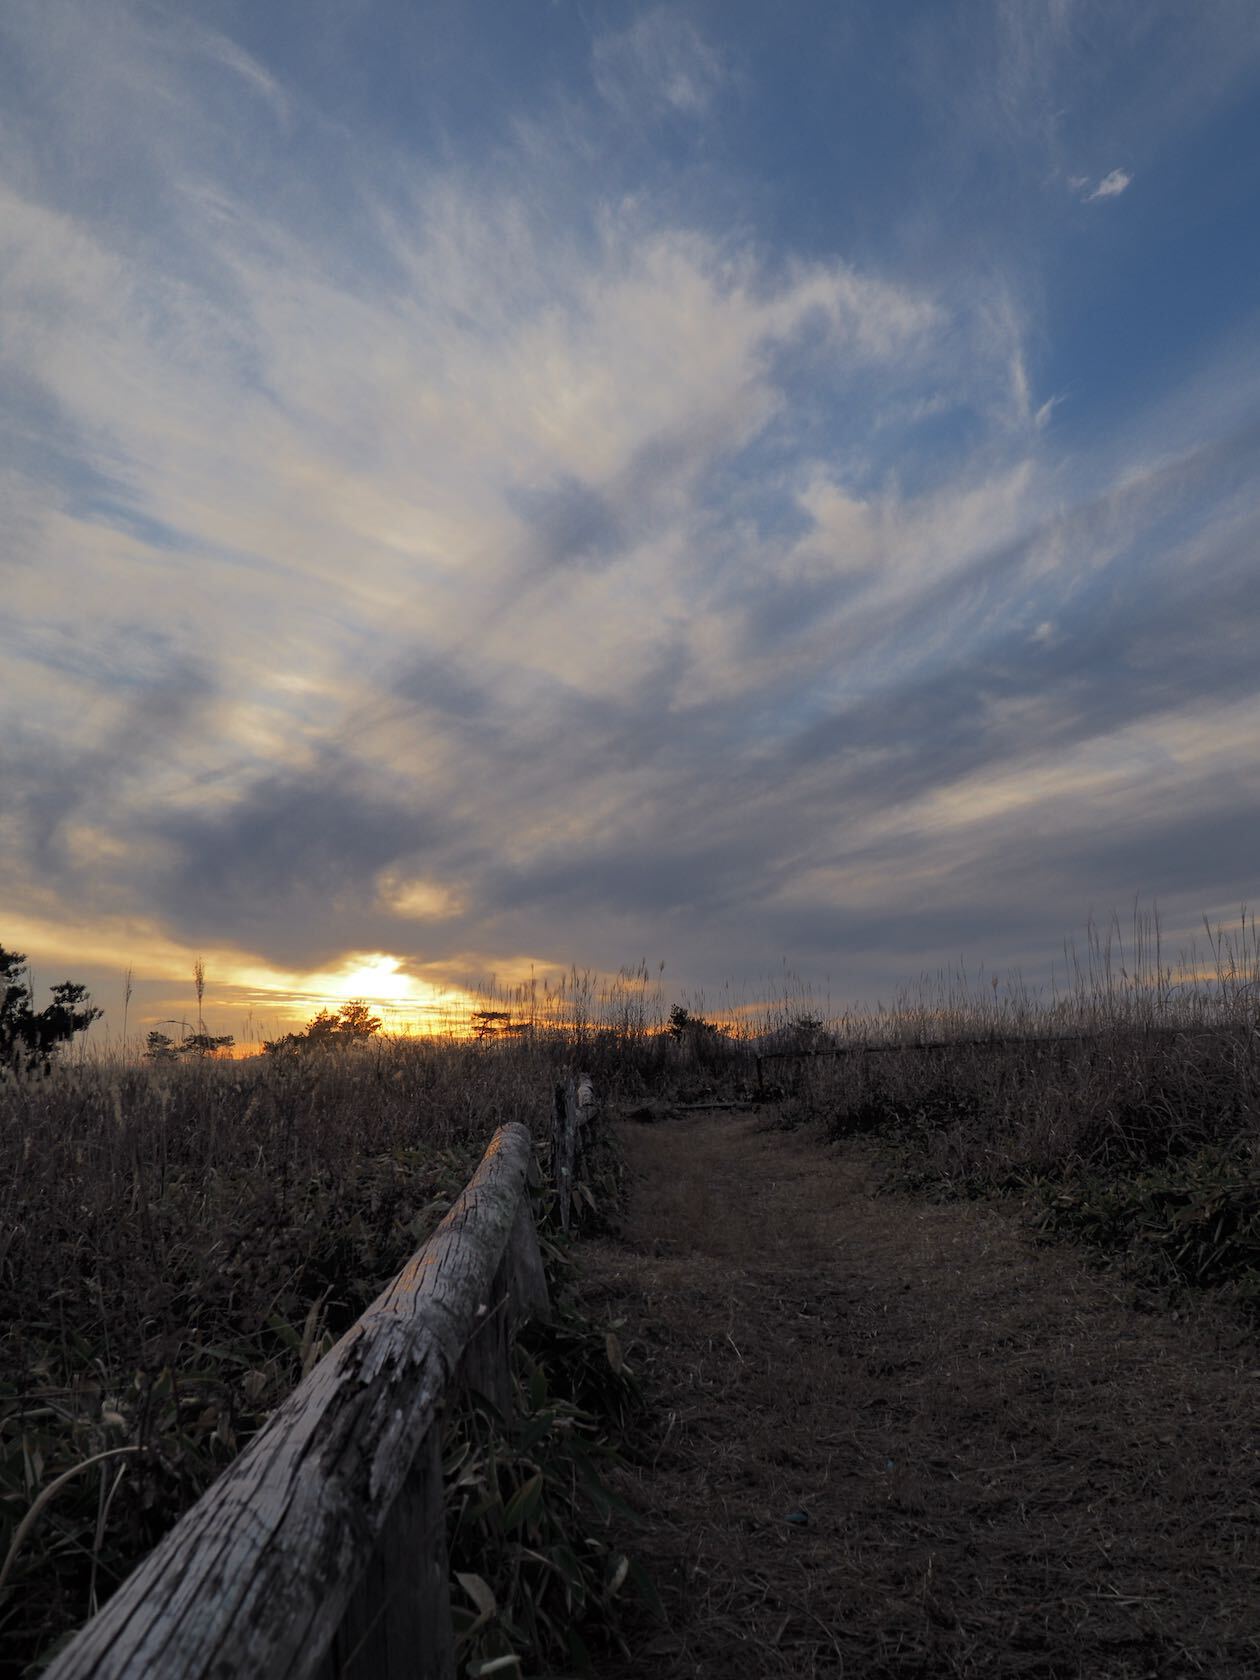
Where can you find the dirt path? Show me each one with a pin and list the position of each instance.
(1002, 1467)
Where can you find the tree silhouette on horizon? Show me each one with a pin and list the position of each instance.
(29, 1038)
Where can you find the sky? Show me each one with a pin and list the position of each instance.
(501, 485)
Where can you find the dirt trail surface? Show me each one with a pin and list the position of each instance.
(896, 1439)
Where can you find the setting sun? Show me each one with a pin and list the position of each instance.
(407, 1002)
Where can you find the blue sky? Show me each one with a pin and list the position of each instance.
(541, 483)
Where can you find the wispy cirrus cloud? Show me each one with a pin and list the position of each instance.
(491, 561)
(661, 62)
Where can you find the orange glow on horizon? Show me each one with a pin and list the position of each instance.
(405, 1001)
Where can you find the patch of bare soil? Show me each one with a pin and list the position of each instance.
(897, 1439)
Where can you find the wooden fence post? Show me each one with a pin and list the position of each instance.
(527, 1276)
(486, 1368)
(574, 1108)
(563, 1146)
(397, 1625)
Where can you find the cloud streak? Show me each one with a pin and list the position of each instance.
(496, 561)
(661, 62)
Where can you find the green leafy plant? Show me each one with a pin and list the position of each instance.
(1193, 1222)
(538, 1574)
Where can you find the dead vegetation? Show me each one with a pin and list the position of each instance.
(893, 1436)
(1124, 1109)
(179, 1243)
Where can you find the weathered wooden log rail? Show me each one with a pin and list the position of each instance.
(321, 1551)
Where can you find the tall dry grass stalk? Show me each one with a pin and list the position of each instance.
(180, 1241)
(177, 1243)
(1127, 1091)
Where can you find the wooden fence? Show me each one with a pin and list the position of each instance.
(321, 1552)
(572, 1112)
(832, 1052)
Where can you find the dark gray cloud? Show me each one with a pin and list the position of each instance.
(570, 522)
(444, 537)
(671, 474)
(48, 782)
(711, 814)
(715, 832)
(289, 867)
(1130, 646)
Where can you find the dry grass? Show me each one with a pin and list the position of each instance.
(1006, 1470)
(1122, 977)
(1129, 1105)
(177, 1245)
(179, 1242)
(984, 1439)
(975, 1117)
